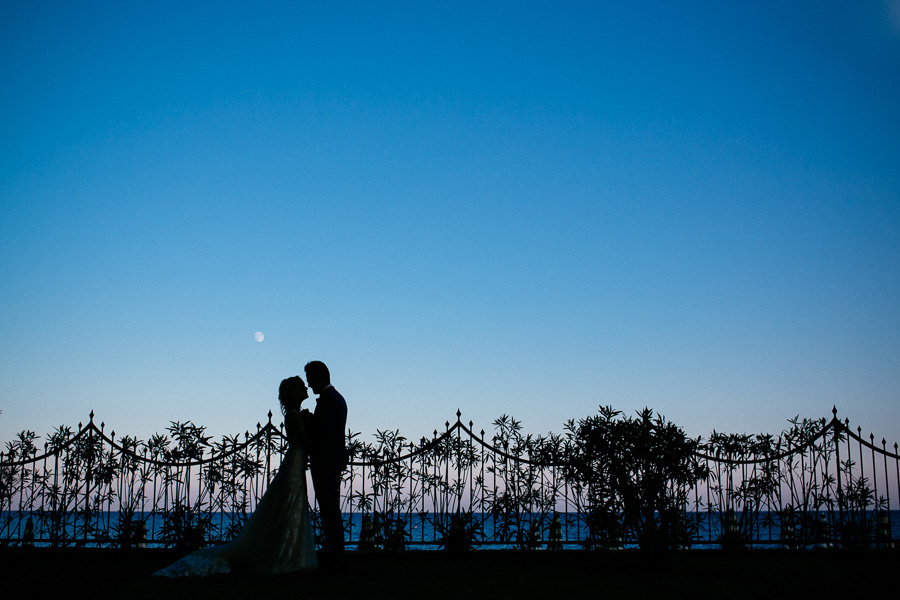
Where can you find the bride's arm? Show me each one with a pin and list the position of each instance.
(297, 428)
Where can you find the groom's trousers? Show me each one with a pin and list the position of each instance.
(327, 483)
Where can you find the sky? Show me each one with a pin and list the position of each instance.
(521, 208)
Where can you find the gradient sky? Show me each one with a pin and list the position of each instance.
(507, 208)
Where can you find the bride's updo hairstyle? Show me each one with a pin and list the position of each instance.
(289, 392)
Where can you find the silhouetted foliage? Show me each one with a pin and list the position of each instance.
(621, 480)
(459, 532)
(637, 472)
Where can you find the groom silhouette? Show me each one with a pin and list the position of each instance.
(328, 456)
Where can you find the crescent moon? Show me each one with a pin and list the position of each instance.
(258, 336)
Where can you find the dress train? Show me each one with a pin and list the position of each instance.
(276, 539)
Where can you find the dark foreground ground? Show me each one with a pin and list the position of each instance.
(759, 574)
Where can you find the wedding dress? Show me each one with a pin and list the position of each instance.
(276, 539)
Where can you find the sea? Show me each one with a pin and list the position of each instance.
(421, 533)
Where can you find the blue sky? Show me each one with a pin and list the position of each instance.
(523, 208)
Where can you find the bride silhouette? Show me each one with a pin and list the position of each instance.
(278, 536)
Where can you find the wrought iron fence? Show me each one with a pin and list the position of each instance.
(817, 483)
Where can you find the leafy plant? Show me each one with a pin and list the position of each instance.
(395, 536)
(459, 532)
(638, 467)
(185, 527)
(520, 501)
(858, 525)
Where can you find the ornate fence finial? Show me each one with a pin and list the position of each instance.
(458, 414)
(92, 416)
(834, 410)
(270, 417)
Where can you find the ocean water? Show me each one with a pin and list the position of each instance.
(421, 532)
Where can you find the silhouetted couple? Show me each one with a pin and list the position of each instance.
(278, 536)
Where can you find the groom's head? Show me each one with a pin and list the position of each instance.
(317, 376)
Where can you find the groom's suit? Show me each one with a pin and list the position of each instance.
(328, 458)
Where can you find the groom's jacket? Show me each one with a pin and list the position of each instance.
(329, 421)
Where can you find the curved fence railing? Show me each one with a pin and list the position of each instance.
(819, 483)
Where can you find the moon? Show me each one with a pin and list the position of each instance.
(258, 336)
